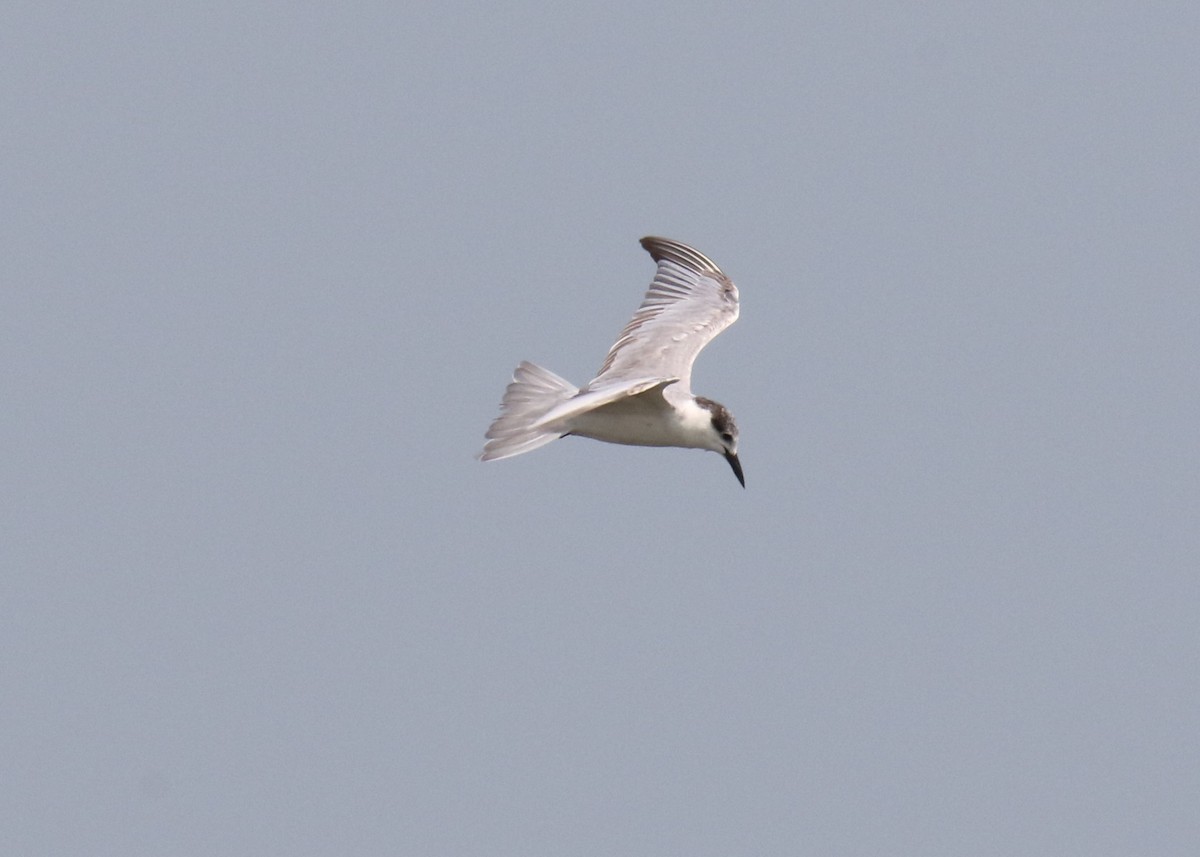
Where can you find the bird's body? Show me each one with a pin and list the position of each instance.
(642, 395)
(647, 419)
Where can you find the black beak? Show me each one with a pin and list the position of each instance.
(732, 458)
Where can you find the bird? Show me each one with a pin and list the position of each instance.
(642, 395)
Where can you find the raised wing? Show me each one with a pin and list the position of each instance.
(689, 302)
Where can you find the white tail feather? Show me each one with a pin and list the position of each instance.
(533, 392)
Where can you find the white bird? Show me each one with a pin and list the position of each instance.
(642, 395)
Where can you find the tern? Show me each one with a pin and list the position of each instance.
(642, 395)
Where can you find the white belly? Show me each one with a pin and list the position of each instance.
(645, 420)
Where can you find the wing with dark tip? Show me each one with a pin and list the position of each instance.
(689, 302)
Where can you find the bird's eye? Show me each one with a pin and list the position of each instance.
(727, 437)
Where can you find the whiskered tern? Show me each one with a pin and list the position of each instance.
(642, 395)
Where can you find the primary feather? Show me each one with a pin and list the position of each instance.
(689, 302)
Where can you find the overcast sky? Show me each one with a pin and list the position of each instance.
(267, 269)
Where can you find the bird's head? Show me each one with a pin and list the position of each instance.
(724, 435)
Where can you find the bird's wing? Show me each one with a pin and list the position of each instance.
(594, 397)
(689, 302)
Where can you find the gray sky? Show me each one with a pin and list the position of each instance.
(266, 271)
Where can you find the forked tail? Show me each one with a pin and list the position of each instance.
(532, 393)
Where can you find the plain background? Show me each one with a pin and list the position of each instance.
(267, 268)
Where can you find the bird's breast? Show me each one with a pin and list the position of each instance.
(636, 421)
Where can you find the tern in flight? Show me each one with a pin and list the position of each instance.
(642, 395)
